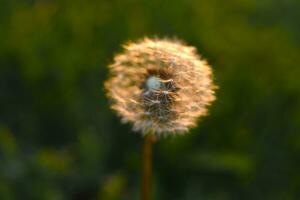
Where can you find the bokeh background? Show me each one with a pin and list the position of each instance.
(59, 139)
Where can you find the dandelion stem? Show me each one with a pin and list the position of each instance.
(147, 167)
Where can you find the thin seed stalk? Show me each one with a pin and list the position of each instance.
(147, 167)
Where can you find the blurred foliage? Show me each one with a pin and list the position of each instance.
(59, 139)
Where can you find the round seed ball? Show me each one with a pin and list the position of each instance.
(161, 86)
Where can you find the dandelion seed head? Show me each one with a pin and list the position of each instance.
(161, 86)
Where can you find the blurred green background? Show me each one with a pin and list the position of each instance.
(59, 139)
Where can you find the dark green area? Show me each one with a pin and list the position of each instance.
(59, 139)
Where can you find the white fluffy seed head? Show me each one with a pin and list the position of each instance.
(160, 86)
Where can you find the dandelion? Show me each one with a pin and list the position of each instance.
(161, 86)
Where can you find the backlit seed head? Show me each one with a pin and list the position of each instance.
(161, 86)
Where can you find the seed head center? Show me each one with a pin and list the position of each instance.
(153, 83)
